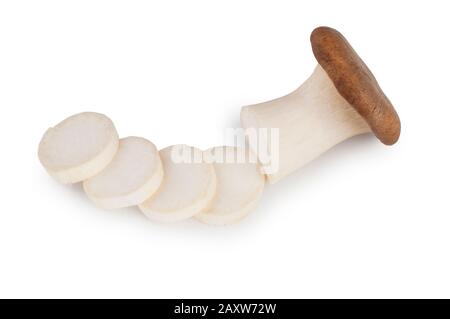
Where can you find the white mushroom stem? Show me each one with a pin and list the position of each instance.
(311, 120)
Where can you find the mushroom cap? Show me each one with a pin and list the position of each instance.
(355, 83)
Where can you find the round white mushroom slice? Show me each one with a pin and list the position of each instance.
(240, 185)
(188, 186)
(79, 147)
(134, 175)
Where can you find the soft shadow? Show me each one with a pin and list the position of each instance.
(294, 183)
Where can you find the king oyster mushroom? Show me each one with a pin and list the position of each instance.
(340, 99)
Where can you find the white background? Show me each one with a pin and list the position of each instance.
(364, 220)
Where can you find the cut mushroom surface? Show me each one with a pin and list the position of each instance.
(79, 147)
(134, 175)
(240, 185)
(188, 186)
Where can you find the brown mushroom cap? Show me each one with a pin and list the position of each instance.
(354, 81)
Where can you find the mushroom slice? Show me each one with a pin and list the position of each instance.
(240, 185)
(78, 147)
(188, 186)
(134, 175)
